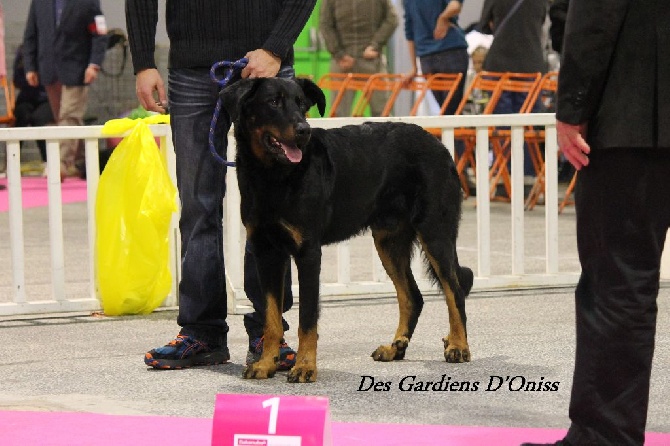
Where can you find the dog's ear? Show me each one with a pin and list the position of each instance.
(313, 93)
(233, 96)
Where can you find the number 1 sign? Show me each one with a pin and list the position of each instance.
(269, 420)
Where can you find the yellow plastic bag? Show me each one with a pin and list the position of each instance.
(134, 206)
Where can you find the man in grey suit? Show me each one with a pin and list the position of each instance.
(64, 46)
(613, 125)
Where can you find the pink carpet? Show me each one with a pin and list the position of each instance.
(35, 193)
(87, 429)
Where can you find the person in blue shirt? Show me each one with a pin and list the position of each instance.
(433, 35)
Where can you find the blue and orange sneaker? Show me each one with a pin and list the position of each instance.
(286, 354)
(185, 351)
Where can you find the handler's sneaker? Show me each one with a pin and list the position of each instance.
(185, 351)
(286, 354)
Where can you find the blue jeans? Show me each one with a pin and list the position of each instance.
(201, 184)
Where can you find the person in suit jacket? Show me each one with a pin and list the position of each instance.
(613, 123)
(64, 45)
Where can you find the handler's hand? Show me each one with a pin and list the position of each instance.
(261, 63)
(33, 78)
(572, 144)
(147, 83)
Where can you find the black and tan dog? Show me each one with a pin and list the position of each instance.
(303, 188)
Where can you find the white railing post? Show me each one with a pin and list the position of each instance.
(233, 256)
(517, 200)
(483, 203)
(174, 241)
(92, 179)
(55, 220)
(551, 198)
(16, 236)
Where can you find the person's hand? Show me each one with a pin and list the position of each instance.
(147, 83)
(261, 63)
(370, 53)
(346, 62)
(572, 143)
(33, 78)
(441, 28)
(91, 74)
(407, 77)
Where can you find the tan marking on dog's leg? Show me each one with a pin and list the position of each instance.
(273, 332)
(293, 232)
(456, 347)
(396, 350)
(305, 370)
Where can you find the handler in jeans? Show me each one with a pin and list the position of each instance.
(202, 34)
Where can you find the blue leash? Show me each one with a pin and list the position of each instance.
(232, 67)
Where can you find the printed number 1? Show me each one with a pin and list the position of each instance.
(274, 411)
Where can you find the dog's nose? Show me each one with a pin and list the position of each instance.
(302, 129)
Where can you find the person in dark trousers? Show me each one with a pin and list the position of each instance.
(201, 34)
(433, 35)
(517, 47)
(31, 108)
(613, 121)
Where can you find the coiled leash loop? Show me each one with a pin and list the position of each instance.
(232, 68)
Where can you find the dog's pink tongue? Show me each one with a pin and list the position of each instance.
(293, 154)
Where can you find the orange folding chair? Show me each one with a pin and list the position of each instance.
(342, 83)
(7, 119)
(380, 83)
(335, 84)
(446, 82)
(568, 192)
(501, 138)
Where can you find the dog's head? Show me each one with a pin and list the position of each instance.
(269, 115)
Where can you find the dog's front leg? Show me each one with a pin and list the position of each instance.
(272, 266)
(309, 268)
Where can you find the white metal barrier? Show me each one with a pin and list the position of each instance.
(376, 284)
(57, 301)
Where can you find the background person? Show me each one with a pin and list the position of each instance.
(64, 46)
(433, 35)
(356, 33)
(202, 34)
(517, 47)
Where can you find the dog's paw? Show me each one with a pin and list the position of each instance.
(453, 353)
(257, 371)
(302, 374)
(393, 352)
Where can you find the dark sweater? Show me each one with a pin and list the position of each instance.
(203, 32)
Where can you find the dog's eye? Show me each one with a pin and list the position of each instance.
(275, 102)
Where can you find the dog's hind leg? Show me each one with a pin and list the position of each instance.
(395, 251)
(443, 261)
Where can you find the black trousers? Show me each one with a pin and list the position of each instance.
(623, 215)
